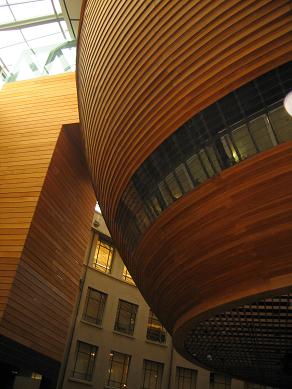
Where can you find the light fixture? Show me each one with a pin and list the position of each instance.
(288, 103)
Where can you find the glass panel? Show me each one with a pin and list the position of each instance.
(94, 306)
(184, 178)
(9, 38)
(219, 381)
(243, 142)
(84, 361)
(118, 370)
(260, 134)
(186, 378)
(40, 31)
(173, 186)
(6, 16)
(152, 375)
(127, 276)
(103, 256)
(206, 162)
(282, 124)
(40, 8)
(196, 169)
(229, 149)
(142, 220)
(155, 330)
(126, 316)
(213, 157)
(166, 194)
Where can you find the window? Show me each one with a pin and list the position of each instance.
(103, 255)
(126, 316)
(118, 370)
(155, 330)
(84, 361)
(219, 381)
(152, 374)
(127, 276)
(94, 306)
(185, 378)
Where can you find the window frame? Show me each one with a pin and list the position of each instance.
(88, 375)
(133, 314)
(178, 377)
(105, 242)
(127, 276)
(125, 370)
(100, 310)
(162, 331)
(214, 377)
(158, 374)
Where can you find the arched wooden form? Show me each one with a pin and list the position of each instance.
(144, 68)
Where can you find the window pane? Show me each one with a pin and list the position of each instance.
(94, 306)
(219, 381)
(173, 186)
(155, 330)
(103, 256)
(118, 369)
(186, 378)
(152, 374)
(84, 361)
(243, 142)
(40, 31)
(261, 134)
(184, 178)
(126, 316)
(127, 276)
(205, 159)
(6, 16)
(196, 169)
(9, 38)
(40, 8)
(282, 124)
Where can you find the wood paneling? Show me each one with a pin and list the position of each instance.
(46, 202)
(224, 242)
(145, 67)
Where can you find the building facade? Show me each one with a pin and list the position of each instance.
(116, 340)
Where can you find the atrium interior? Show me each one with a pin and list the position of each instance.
(145, 194)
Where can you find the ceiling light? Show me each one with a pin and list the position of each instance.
(288, 103)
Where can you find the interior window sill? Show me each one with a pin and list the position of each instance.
(79, 381)
(123, 334)
(91, 324)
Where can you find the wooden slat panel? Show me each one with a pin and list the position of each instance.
(144, 68)
(28, 135)
(227, 240)
(46, 203)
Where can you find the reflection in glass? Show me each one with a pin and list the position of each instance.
(119, 364)
(103, 256)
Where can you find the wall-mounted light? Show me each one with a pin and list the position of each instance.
(288, 103)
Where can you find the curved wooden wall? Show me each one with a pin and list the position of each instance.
(145, 67)
(46, 207)
(225, 241)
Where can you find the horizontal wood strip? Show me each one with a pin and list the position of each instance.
(44, 225)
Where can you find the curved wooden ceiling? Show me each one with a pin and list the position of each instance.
(144, 68)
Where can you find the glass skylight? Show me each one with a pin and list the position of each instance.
(29, 31)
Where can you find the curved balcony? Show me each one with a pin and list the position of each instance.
(188, 146)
